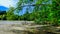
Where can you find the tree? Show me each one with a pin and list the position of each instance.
(2, 15)
(10, 14)
(44, 11)
(50, 12)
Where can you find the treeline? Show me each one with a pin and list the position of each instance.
(9, 15)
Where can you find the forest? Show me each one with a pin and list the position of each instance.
(43, 12)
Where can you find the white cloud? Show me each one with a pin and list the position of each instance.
(8, 3)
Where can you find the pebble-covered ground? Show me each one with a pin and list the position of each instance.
(13, 28)
(5, 26)
(5, 29)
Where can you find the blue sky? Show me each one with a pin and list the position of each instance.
(8, 3)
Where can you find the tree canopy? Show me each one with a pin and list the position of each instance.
(44, 11)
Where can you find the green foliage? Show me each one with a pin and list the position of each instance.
(49, 13)
(44, 12)
(10, 14)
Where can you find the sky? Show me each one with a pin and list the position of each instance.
(8, 3)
